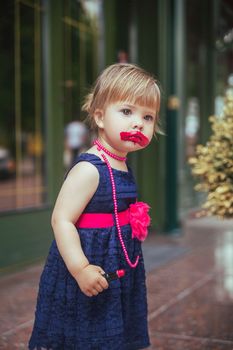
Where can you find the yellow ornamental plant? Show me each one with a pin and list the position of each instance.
(213, 164)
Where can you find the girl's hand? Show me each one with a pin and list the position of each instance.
(91, 281)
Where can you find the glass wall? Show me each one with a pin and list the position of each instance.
(209, 49)
(80, 70)
(224, 50)
(22, 124)
(23, 176)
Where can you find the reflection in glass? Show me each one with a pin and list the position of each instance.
(80, 70)
(224, 262)
(22, 173)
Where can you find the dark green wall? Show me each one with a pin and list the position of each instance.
(110, 28)
(25, 238)
(207, 64)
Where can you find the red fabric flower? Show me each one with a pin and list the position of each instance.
(139, 220)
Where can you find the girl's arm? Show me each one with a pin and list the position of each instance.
(77, 190)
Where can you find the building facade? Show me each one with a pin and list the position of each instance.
(51, 52)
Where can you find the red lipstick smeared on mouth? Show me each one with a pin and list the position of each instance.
(135, 136)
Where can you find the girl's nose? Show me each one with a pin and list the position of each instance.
(138, 123)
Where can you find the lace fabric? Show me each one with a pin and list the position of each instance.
(116, 319)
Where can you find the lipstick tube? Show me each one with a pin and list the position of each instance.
(111, 276)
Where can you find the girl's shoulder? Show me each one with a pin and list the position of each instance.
(82, 160)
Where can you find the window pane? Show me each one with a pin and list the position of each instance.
(80, 67)
(22, 127)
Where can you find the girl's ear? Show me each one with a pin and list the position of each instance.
(99, 118)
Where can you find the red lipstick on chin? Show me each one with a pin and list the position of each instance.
(135, 136)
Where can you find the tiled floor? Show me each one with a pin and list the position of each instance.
(190, 291)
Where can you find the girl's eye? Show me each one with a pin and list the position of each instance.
(126, 111)
(149, 117)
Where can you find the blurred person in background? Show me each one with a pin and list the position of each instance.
(122, 56)
(76, 135)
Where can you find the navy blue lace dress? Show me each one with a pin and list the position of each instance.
(115, 319)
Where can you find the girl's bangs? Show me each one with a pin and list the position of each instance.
(142, 95)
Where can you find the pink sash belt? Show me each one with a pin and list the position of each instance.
(102, 220)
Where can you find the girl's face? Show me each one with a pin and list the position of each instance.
(120, 120)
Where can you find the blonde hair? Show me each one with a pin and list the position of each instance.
(123, 82)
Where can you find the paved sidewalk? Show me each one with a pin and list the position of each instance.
(190, 291)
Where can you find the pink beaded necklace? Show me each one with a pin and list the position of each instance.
(102, 148)
(105, 150)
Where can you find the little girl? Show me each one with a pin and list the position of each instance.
(99, 225)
